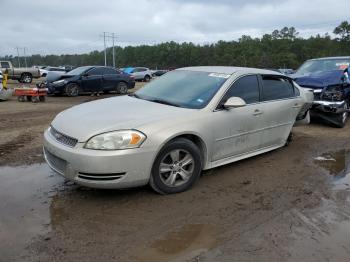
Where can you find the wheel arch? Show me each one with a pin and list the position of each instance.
(196, 139)
(26, 73)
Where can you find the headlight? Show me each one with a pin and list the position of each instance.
(124, 139)
(60, 82)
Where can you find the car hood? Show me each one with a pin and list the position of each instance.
(123, 112)
(53, 76)
(319, 80)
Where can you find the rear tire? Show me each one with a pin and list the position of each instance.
(177, 167)
(147, 78)
(71, 90)
(122, 88)
(289, 139)
(26, 78)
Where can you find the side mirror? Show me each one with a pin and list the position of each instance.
(234, 102)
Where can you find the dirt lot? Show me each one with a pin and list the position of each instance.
(292, 204)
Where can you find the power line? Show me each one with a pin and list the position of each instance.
(24, 56)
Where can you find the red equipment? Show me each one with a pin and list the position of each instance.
(34, 94)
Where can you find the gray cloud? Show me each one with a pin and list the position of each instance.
(74, 26)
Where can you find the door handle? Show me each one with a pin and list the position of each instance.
(257, 112)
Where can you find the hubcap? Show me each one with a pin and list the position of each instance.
(73, 90)
(176, 168)
(26, 79)
(123, 89)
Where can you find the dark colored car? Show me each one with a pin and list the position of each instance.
(329, 79)
(92, 79)
(159, 72)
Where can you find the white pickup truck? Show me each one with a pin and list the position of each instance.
(23, 74)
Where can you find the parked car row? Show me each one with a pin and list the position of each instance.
(91, 79)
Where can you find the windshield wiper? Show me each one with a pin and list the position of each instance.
(164, 102)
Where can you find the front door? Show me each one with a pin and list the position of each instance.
(92, 81)
(238, 130)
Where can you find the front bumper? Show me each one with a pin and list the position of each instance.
(54, 89)
(332, 107)
(97, 168)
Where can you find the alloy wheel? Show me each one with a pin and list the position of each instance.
(176, 167)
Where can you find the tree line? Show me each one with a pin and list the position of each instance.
(281, 49)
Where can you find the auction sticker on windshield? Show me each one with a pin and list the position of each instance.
(342, 66)
(219, 75)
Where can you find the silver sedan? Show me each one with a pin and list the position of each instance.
(189, 120)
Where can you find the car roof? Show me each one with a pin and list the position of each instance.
(330, 58)
(229, 70)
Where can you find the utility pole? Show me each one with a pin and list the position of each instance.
(104, 41)
(107, 35)
(25, 58)
(19, 60)
(113, 49)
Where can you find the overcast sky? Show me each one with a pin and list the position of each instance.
(75, 26)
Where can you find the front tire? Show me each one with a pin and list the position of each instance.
(147, 78)
(72, 89)
(177, 167)
(343, 117)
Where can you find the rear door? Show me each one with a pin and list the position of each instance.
(280, 106)
(237, 130)
(92, 80)
(110, 79)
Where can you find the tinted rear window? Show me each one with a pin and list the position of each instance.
(276, 88)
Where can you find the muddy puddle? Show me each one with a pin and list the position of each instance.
(337, 164)
(322, 234)
(25, 194)
(184, 244)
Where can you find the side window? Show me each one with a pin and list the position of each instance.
(246, 87)
(5, 65)
(109, 71)
(96, 71)
(275, 87)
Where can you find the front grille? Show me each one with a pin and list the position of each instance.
(62, 138)
(317, 96)
(101, 177)
(57, 163)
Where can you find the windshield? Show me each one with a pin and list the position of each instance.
(187, 89)
(79, 70)
(128, 70)
(314, 66)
